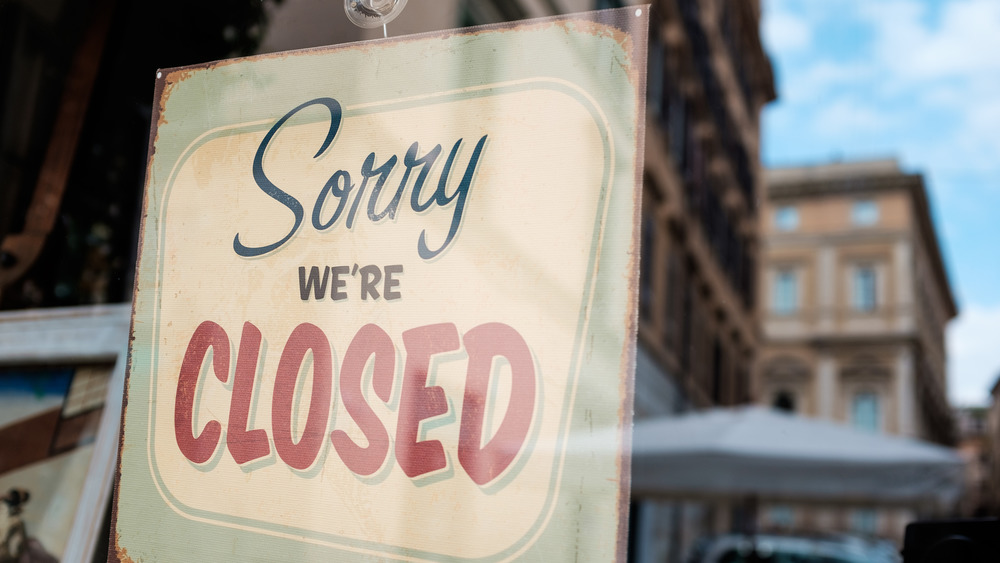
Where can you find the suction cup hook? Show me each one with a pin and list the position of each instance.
(373, 13)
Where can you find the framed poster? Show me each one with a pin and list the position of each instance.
(385, 301)
(61, 376)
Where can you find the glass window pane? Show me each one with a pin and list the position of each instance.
(864, 291)
(781, 516)
(785, 298)
(865, 412)
(864, 213)
(786, 218)
(864, 521)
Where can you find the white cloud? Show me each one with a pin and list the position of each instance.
(846, 118)
(962, 43)
(973, 354)
(784, 31)
(979, 138)
(914, 64)
(817, 80)
(956, 50)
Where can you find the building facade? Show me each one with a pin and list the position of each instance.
(708, 79)
(856, 300)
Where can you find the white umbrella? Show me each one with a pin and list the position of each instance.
(755, 452)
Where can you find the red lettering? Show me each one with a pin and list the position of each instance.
(483, 343)
(484, 458)
(370, 340)
(245, 445)
(305, 337)
(199, 449)
(418, 402)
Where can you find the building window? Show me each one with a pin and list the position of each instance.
(687, 323)
(786, 218)
(674, 281)
(865, 412)
(864, 213)
(785, 299)
(781, 516)
(646, 267)
(784, 401)
(678, 126)
(864, 521)
(865, 284)
(718, 365)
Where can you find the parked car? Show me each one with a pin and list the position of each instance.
(771, 548)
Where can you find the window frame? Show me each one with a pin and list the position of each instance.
(78, 335)
(865, 212)
(786, 218)
(864, 288)
(785, 291)
(872, 421)
(865, 521)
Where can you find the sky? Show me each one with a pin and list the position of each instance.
(919, 81)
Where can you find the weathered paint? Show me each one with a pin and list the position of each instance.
(548, 248)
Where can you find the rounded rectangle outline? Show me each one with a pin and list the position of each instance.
(352, 544)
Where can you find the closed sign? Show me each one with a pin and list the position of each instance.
(385, 301)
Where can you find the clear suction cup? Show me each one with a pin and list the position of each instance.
(373, 13)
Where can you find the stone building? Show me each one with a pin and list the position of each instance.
(708, 78)
(856, 299)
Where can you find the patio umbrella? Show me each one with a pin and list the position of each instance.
(760, 453)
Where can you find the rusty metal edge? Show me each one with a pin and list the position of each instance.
(116, 552)
(640, 39)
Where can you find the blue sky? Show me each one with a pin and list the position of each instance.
(919, 81)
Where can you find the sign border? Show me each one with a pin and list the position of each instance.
(621, 19)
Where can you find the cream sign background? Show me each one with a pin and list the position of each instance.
(384, 317)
